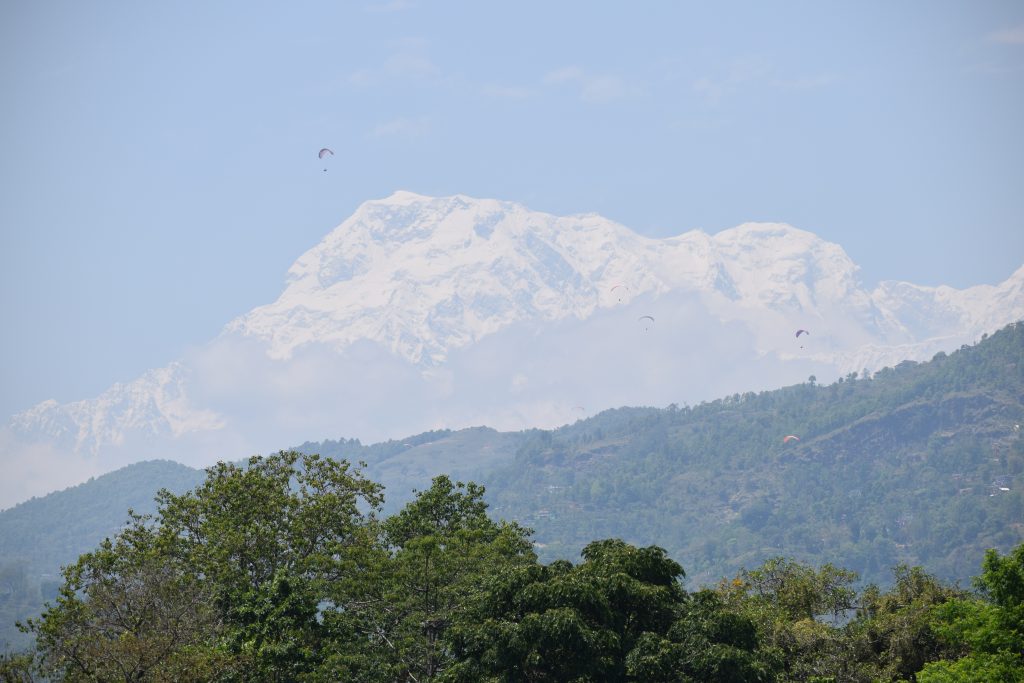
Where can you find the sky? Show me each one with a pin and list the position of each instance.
(159, 168)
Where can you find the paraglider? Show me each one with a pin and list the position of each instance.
(647, 325)
(324, 152)
(798, 333)
(623, 289)
(791, 437)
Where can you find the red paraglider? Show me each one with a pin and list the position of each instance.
(791, 437)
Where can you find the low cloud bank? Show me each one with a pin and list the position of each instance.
(525, 376)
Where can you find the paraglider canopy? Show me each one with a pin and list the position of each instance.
(324, 152)
(791, 437)
(622, 289)
(799, 332)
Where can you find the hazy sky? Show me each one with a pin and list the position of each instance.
(158, 169)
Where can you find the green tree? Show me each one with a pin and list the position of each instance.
(988, 629)
(706, 643)
(893, 634)
(443, 549)
(569, 623)
(234, 578)
(787, 602)
(125, 613)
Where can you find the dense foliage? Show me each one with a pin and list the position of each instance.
(281, 570)
(918, 465)
(40, 535)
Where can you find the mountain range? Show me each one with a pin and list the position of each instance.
(421, 313)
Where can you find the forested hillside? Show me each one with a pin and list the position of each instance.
(280, 570)
(40, 535)
(921, 464)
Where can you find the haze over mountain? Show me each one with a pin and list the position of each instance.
(420, 312)
(921, 464)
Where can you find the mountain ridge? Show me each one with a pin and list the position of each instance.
(427, 298)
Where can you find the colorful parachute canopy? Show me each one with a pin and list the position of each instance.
(789, 438)
(799, 332)
(324, 152)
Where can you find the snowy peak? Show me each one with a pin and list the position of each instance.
(457, 292)
(154, 404)
(425, 275)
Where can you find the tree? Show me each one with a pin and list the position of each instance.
(565, 623)
(125, 613)
(988, 629)
(785, 600)
(893, 632)
(443, 549)
(707, 642)
(233, 577)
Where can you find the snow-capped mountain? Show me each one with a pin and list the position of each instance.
(154, 404)
(423, 276)
(419, 312)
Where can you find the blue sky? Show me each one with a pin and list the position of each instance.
(159, 169)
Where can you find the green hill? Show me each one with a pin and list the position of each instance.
(40, 535)
(922, 463)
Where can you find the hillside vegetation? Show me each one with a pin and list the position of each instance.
(280, 569)
(920, 464)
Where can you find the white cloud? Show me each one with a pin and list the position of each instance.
(804, 83)
(603, 89)
(508, 92)
(591, 88)
(390, 6)
(564, 75)
(748, 72)
(405, 65)
(35, 469)
(741, 72)
(401, 127)
(1008, 36)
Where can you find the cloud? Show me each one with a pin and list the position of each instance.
(508, 92)
(527, 375)
(390, 6)
(741, 72)
(603, 89)
(591, 88)
(566, 74)
(37, 468)
(805, 83)
(405, 65)
(401, 127)
(1008, 36)
(749, 72)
